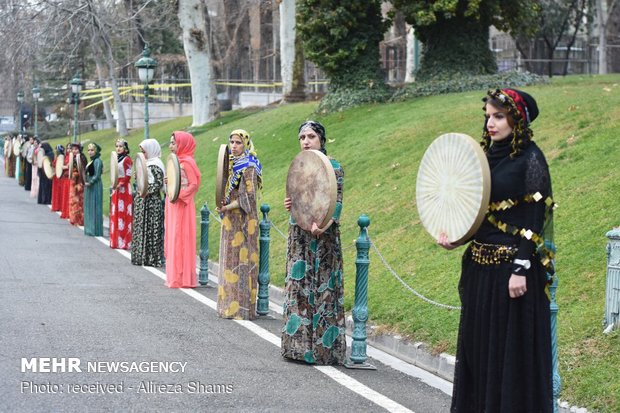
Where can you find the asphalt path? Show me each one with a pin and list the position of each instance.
(66, 295)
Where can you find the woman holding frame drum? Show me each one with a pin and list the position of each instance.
(147, 246)
(121, 211)
(180, 216)
(503, 359)
(314, 324)
(44, 196)
(238, 277)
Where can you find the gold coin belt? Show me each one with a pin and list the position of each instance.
(491, 254)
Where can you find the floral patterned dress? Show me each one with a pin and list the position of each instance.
(238, 276)
(314, 323)
(76, 195)
(147, 246)
(121, 208)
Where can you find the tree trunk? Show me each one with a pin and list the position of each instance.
(291, 55)
(107, 111)
(459, 45)
(194, 22)
(602, 16)
(411, 58)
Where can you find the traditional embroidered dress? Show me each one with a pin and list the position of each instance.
(121, 206)
(76, 194)
(9, 159)
(504, 345)
(34, 186)
(56, 185)
(180, 219)
(44, 196)
(93, 195)
(314, 323)
(238, 270)
(147, 247)
(65, 185)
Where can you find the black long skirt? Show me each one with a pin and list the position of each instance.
(44, 196)
(503, 358)
(28, 176)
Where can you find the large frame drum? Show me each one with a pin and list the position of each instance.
(173, 174)
(142, 175)
(311, 186)
(453, 187)
(221, 177)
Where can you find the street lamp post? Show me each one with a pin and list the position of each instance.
(146, 70)
(76, 88)
(36, 93)
(20, 99)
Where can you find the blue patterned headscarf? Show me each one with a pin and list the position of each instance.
(238, 164)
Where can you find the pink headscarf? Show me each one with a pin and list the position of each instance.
(186, 144)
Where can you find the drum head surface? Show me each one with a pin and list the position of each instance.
(113, 169)
(60, 162)
(173, 173)
(142, 175)
(17, 147)
(453, 187)
(47, 167)
(71, 165)
(81, 169)
(40, 157)
(311, 185)
(221, 176)
(25, 148)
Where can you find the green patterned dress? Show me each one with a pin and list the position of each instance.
(147, 246)
(314, 323)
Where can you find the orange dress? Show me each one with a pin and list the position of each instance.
(180, 219)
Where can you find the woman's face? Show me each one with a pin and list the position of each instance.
(497, 123)
(309, 139)
(236, 145)
(76, 150)
(120, 148)
(91, 152)
(173, 145)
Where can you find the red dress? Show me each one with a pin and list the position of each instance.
(65, 184)
(121, 205)
(56, 190)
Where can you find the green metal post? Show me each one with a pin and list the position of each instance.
(557, 381)
(203, 275)
(262, 305)
(360, 308)
(36, 117)
(146, 110)
(75, 116)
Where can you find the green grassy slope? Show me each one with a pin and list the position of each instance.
(380, 147)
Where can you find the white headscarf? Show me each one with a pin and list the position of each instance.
(152, 152)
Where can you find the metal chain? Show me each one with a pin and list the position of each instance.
(278, 230)
(417, 294)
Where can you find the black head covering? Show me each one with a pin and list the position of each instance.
(319, 129)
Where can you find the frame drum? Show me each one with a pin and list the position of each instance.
(8, 150)
(221, 177)
(311, 185)
(60, 162)
(113, 169)
(173, 173)
(40, 157)
(81, 169)
(71, 165)
(453, 187)
(17, 147)
(142, 175)
(47, 167)
(25, 147)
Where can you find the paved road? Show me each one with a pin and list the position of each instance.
(69, 296)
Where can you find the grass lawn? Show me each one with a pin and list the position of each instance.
(380, 147)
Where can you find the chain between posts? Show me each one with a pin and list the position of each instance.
(414, 292)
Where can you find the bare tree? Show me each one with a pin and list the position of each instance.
(194, 20)
(604, 9)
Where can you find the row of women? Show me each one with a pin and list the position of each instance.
(504, 342)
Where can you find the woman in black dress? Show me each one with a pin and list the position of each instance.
(503, 360)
